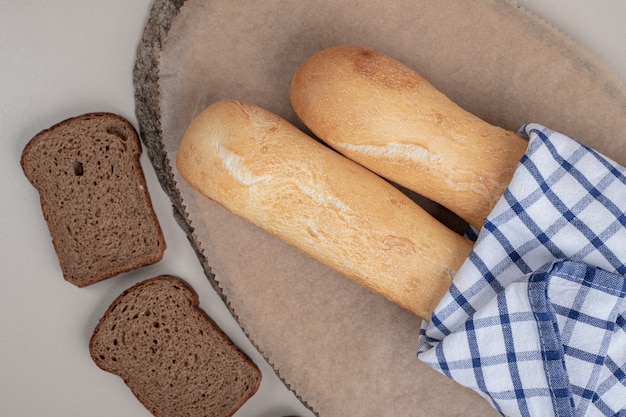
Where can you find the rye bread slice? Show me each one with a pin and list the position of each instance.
(94, 196)
(172, 356)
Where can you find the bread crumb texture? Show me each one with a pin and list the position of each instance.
(94, 196)
(172, 356)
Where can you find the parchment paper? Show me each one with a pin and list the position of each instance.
(343, 350)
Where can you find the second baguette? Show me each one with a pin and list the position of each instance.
(385, 116)
(262, 168)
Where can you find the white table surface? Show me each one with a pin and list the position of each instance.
(63, 58)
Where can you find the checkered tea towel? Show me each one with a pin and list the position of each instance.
(535, 320)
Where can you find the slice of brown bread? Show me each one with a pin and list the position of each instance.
(94, 197)
(173, 357)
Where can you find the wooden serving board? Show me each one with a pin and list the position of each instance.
(343, 350)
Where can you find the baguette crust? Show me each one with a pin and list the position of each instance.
(385, 116)
(264, 169)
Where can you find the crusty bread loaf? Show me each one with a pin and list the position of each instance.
(264, 169)
(94, 197)
(382, 114)
(173, 357)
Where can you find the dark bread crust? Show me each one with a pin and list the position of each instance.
(94, 196)
(172, 356)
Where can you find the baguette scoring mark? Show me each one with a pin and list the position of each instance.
(323, 198)
(405, 151)
(234, 164)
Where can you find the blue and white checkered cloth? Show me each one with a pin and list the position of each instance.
(535, 320)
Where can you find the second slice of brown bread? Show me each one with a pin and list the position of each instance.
(94, 197)
(172, 356)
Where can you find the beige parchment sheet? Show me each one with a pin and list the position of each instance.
(343, 350)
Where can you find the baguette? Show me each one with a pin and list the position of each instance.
(382, 114)
(262, 168)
